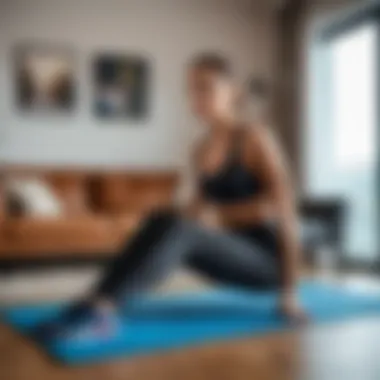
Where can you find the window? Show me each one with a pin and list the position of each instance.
(341, 135)
(353, 97)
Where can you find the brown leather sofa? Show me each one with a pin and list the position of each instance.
(102, 208)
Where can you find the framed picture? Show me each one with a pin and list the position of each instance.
(44, 79)
(120, 86)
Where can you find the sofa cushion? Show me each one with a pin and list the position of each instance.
(121, 193)
(72, 189)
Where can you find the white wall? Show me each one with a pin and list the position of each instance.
(168, 31)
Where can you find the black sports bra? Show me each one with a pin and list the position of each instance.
(233, 182)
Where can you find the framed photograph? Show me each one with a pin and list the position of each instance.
(120, 86)
(44, 79)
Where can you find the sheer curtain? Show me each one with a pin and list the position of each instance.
(341, 136)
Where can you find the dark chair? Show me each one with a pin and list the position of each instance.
(321, 226)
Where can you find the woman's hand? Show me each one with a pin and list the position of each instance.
(292, 310)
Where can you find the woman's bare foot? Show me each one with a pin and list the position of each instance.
(291, 310)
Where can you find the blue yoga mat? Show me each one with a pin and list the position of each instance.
(165, 322)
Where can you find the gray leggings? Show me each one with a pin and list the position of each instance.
(247, 257)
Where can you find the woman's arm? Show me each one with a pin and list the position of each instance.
(279, 188)
(189, 200)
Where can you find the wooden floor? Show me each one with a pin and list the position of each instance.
(349, 351)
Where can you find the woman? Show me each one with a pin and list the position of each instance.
(239, 226)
